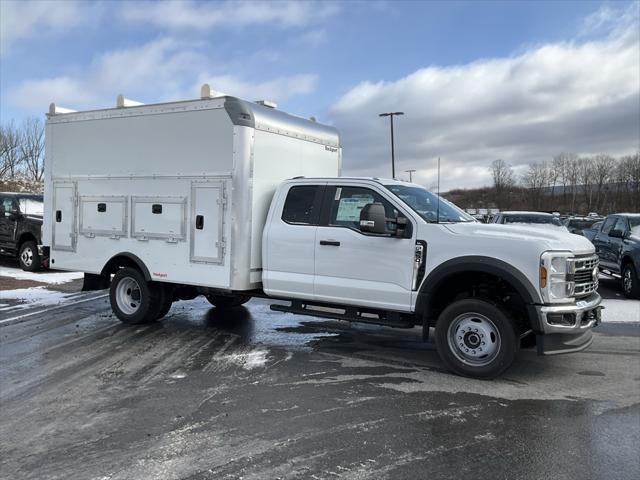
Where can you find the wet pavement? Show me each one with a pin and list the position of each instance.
(257, 394)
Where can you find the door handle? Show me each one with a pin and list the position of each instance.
(332, 243)
(199, 222)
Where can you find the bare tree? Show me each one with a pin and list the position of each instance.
(586, 174)
(503, 179)
(32, 148)
(536, 179)
(10, 155)
(573, 177)
(603, 174)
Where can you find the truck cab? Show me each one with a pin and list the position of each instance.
(391, 252)
(20, 228)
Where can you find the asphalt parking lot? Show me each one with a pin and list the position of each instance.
(257, 394)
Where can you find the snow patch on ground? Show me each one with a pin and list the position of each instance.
(249, 360)
(32, 297)
(621, 311)
(50, 277)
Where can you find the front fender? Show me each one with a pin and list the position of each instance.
(493, 266)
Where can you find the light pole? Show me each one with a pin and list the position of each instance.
(410, 172)
(393, 159)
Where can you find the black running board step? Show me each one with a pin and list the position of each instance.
(351, 314)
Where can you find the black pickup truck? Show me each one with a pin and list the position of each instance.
(617, 243)
(20, 228)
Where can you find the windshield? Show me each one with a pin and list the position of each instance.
(538, 219)
(425, 204)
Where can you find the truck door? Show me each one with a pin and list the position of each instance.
(207, 220)
(64, 217)
(602, 242)
(291, 240)
(7, 224)
(616, 244)
(352, 267)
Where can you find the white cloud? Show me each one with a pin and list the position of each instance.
(581, 97)
(24, 19)
(188, 14)
(160, 70)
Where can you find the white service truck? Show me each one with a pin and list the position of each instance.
(232, 199)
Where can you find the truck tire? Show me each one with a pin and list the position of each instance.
(630, 282)
(224, 301)
(133, 299)
(29, 257)
(475, 338)
(166, 301)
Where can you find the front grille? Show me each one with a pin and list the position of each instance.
(583, 275)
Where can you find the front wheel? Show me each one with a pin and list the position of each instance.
(475, 338)
(630, 283)
(28, 257)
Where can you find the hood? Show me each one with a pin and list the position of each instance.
(551, 238)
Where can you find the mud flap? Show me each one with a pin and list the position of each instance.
(93, 281)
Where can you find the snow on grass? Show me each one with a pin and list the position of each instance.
(621, 311)
(50, 277)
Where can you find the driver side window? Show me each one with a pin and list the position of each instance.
(348, 202)
(6, 206)
(621, 225)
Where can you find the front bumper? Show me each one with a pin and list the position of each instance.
(567, 328)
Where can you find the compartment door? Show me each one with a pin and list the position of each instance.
(64, 217)
(208, 201)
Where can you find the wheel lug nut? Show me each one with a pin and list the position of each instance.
(482, 343)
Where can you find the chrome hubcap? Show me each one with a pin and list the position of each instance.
(128, 296)
(27, 256)
(627, 280)
(474, 339)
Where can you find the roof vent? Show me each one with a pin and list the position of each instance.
(122, 102)
(207, 92)
(56, 110)
(267, 103)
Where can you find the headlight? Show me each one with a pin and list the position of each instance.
(556, 277)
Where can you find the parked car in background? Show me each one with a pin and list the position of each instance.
(578, 224)
(617, 244)
(529, 218)
(20, 228)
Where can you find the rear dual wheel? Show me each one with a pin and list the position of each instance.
(136, 301)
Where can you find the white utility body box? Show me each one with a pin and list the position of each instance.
(184, 186)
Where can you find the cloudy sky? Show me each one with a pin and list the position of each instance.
(477, 81)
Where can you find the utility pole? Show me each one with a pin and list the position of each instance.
(410, 172)
(393, 158)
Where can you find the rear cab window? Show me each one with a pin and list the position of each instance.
(302, 205)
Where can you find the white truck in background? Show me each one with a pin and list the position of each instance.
(232, 199)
